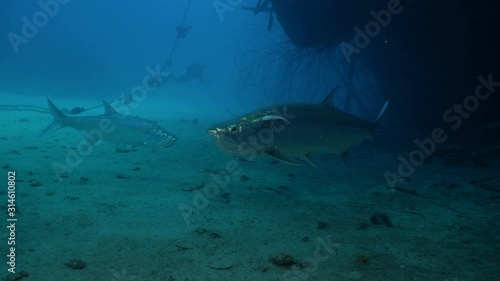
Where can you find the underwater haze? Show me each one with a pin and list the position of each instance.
(249, 140)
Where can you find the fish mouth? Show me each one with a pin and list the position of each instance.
(214, 132)
(172, 140)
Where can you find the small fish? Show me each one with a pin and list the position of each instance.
(113, 127)
(77, 110)
(290, 131)
(128, 98)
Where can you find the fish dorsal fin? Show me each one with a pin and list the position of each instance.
(108, 109)
(328, 101)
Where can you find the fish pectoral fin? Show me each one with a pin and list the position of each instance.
(276, 117)
(347, 155)
(278, 155)
(312, 159)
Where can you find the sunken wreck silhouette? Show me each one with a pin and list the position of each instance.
(428, 57)
(317, 23)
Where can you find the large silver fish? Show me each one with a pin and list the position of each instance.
(290, 131)
(113, 127)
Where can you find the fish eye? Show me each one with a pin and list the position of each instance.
(164, 135)
(233, 129)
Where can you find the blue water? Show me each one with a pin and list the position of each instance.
(420, 202)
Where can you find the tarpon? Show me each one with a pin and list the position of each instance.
(113, 127)
(287, 132)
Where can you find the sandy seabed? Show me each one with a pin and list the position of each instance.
(156, 214)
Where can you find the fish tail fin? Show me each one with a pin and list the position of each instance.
(59, 118)
(384, 107)
(382, 111)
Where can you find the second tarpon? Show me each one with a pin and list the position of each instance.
(113, 127)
